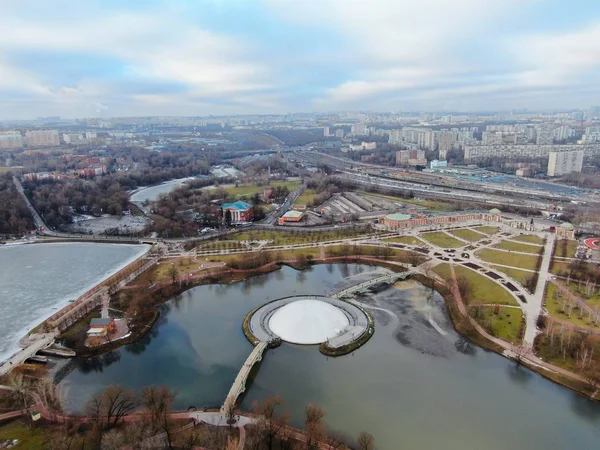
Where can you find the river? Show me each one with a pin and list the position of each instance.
(415, 384)
(38, 279)
(151, 193)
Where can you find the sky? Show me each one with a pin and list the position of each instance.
(107, 58)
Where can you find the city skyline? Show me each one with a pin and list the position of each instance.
(107, 59)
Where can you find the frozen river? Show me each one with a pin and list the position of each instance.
(38, 279)
(151, 193)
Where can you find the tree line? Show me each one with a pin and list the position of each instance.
(15, 218)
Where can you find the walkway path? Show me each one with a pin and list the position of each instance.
(533, 308)
(239, 385)
(39, 342)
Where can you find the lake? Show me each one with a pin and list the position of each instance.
(413, 385)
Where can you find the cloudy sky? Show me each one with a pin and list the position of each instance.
(101, 58)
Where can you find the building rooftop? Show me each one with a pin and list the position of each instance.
(293, 214)
(398, 216)
(100, 322)
(239, 205)
(495, 212)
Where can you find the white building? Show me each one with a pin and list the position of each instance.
(446, 141)
(359, 129)
(11, 140)
(544, 134)
(42, 138)
(326, 131)
(562, 163)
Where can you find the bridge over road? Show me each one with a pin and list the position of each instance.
(239, 385)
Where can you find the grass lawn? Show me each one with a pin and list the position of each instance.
(483, 290)
(554, 306)
(517, 247)
(565, 248)
(298, 237)
(248, 190)
(442, 240)
(518, 275)
(487, 230)
(508, 259)
(443, 270)
(29, 438)
(579, 290)
(408, 240)
(163, 271)
(504, 325)
(222, 245)
(529, 238)
(468, 235)
(307, 196)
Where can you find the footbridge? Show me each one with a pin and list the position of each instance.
(362, 287)
(239, 385)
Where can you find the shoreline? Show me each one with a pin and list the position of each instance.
(460, 323)
(68, 299)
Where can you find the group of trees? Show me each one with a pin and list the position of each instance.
(272, 431)
(15, 218)
(118, 417)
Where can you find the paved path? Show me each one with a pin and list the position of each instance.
(22, 355)
(239, 384)
(533, 308)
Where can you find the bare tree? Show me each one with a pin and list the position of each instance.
(158, 402)
(271, 420)
(107, 408)
(20, 392)
(464, 288)
(314, 425)
(365, 441)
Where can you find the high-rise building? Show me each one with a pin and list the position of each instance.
(544, 134)
(42, 138)
(562, 163)
(491, 138)
(359, 129)
(11, 140)
(326, 131)
(446, 140)
(562, 133)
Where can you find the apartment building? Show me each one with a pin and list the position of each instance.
(562, 163)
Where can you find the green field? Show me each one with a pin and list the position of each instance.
(408, 240)
(529, 238)
(504, 325)
(508, 259)
(517, 247)
(468, 235)
(307, 196)
(520, 276)
(487, 230)
(442, 240)
(248, 190)
(554, 306)
(565, 248)
(297, 237)
(29, 438)
(483, 289)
